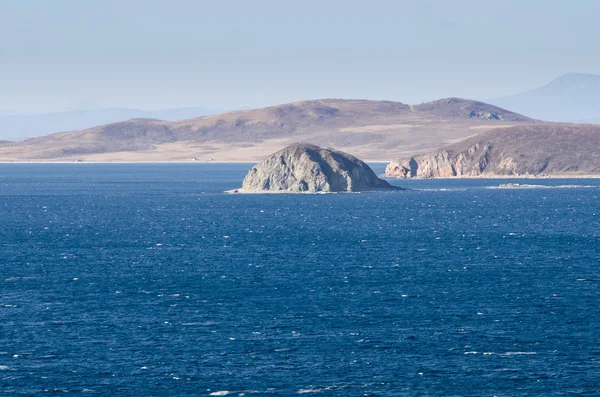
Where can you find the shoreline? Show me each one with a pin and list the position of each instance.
(131, 162)
(157, 162)
(167, 162)
(556, 176)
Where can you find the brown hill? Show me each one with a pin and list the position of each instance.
(374, 130)
(464, 108)
(548, 149)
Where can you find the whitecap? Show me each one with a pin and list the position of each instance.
(305, 391)
(313, 390)
(517, 353)
(219, 393)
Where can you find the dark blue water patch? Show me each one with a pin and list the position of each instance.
(486, 183)
(146, 279)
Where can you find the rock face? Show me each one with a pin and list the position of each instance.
(305, 168)
(550, 149)
(443, 164)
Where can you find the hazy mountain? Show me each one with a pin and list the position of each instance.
(553, 149)
(20, 126)
(573, 97)
(373, 130)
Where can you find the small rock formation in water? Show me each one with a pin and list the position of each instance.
(530, 186)
(305, 168)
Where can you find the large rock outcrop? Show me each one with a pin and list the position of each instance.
(538, 150)
(305, 168)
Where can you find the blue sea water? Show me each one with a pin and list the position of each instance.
(148, 280)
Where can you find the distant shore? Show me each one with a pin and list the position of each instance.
(158, 162)
(133, 162)
(558, 176)
(487, 176)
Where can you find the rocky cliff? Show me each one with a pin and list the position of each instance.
(305, 168)
(552, 149)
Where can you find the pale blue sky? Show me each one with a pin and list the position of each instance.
(229, 54)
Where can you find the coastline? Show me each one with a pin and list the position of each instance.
(158, 162)
(554, 176)
(132, 162)
(167, 162)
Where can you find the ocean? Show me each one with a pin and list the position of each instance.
(147, 279)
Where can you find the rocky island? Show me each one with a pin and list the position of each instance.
(306, 168)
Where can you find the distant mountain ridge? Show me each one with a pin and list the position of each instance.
(22, 126)
(370, 129)
(573, 97)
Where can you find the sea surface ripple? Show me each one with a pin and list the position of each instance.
(149, 280)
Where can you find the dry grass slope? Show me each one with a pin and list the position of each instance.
(371, 130)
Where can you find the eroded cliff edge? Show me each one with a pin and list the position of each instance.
(306, 168)
(537, 150)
